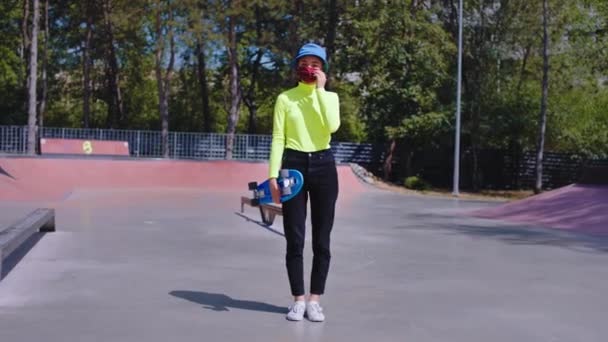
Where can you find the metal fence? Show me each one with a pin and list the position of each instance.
(496, 169)
(182, 145)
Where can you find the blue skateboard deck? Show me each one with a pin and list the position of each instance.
(290, 183)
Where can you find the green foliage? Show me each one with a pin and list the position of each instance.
(510, 120)
(400, 72)
(393, 65)
(12, 72)
(416, 183)
(581, 122)
(352, 127)
(421, 129)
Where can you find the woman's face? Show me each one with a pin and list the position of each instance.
(310, 61)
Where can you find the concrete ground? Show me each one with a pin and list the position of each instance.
(186, 265)
(12, 212)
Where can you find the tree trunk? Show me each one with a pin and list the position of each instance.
(33, 68)
(43, 99)
(332, 22)
(475, 156)
(249, 97)
(452, 16)
(164, 116)
(117, 114)
(388, 161)
(24, 51)
(522, 71)
(235, 94)
(332, 27)
(202, 79)
(542, 123)
(25, 38)
(164, 81)
(253, 113)
(409, 155)
(475, 141)
(294, 24)
(476, 113)
(414, 6)
(86, 67)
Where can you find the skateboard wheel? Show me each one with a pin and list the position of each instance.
(284, 173)
(253, 185)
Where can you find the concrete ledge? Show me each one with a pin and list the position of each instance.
(39, 220)
(268, 212)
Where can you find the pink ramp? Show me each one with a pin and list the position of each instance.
(574, 207)
(55, 178)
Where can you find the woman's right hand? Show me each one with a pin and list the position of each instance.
(275, 191)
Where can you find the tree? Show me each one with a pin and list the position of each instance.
(164, 32)
(45, 60)
(263, 21)
(542, 121)
(233, 67)
(12, 75)
(116, 113)
(32, 81)
(399, 74)
(87, 63)
(103, 63)
(202, 36)
(249, 96)
(201, 69)
(25, 40)
(333, 20)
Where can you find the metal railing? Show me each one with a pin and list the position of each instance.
(182, 145)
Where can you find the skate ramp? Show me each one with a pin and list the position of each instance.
(581, 207)
(53, 179)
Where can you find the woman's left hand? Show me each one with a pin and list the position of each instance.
(321, 78)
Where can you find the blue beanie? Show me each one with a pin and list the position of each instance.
(311, 49)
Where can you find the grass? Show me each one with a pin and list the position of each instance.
(495, 195)
(486, 195)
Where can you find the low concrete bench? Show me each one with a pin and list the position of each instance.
(39, 220)
(268, 212)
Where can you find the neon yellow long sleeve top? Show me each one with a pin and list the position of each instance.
(304, 119)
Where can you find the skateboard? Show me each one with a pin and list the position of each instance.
(290, 183)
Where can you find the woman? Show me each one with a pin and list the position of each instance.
(304, 119)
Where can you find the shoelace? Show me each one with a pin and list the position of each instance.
(316, 307)
(297, 308)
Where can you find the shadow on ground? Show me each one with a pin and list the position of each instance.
(14, 258)
(511, 233)
(260, 223)
(222, 302)
(5, 173)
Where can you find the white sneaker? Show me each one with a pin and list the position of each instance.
(314, 312)
(296, 311)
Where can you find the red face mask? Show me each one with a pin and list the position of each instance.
(306, 74)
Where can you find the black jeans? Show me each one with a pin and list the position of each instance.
(321, 185)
